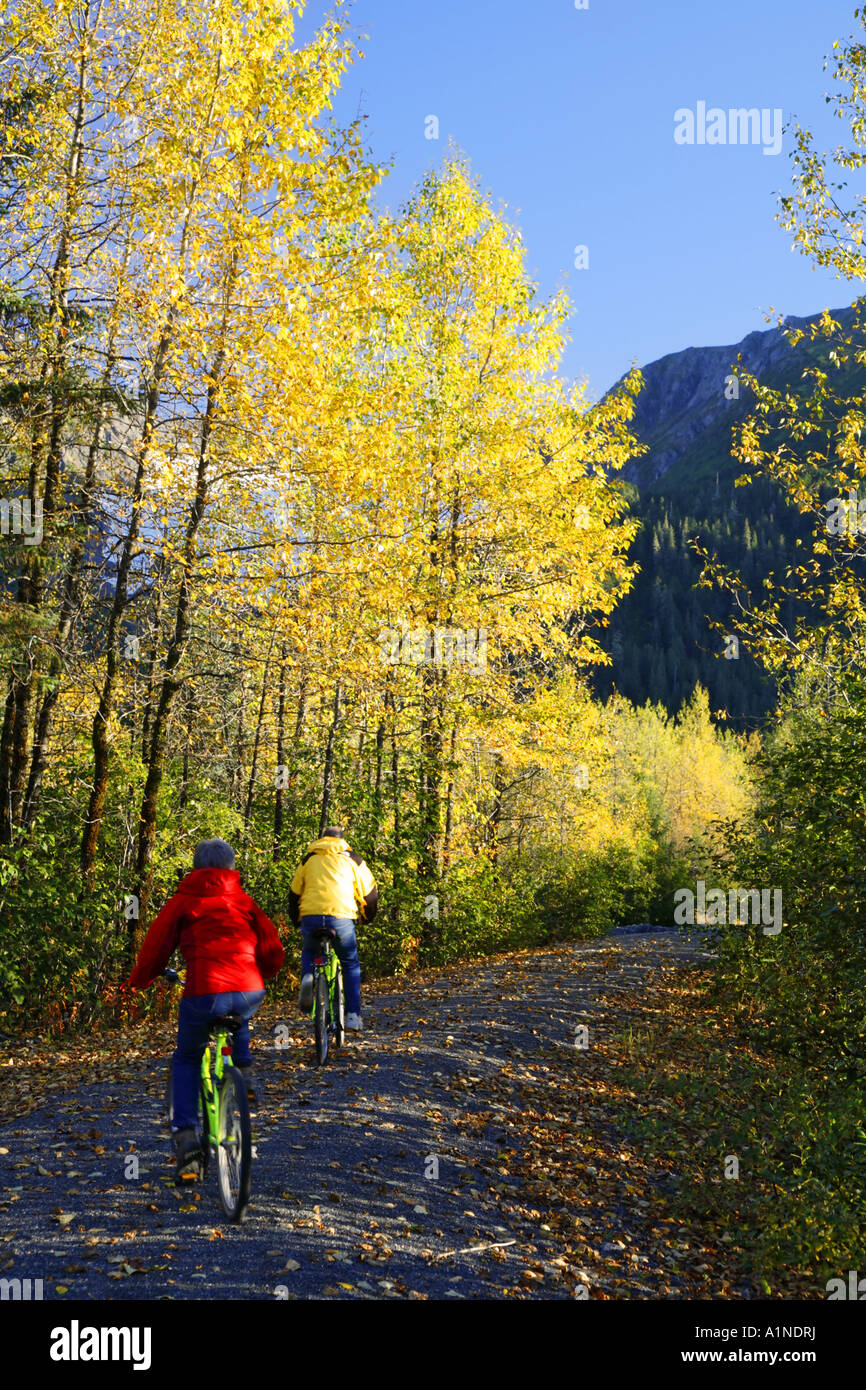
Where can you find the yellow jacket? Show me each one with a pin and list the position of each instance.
(333, 882)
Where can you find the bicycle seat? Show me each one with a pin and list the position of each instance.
(323, 932)
(230, 1022)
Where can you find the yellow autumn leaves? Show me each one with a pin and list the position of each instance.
(315, 425)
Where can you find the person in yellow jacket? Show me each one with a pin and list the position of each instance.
(333, 888)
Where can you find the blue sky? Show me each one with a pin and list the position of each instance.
(567, 117)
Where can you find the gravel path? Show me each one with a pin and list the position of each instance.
(368, 1173)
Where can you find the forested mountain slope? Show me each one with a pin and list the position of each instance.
(683, 489)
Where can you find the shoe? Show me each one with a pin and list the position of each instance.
(306, 996)
(353, 1023)
(252, 1090)
(188, 1156)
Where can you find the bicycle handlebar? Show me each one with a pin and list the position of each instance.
(172, 975)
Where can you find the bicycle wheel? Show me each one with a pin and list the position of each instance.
(322, 1010)
(339, 1009)
(235, 1145)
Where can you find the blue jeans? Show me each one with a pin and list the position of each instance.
(193, 1030)
(346, 946)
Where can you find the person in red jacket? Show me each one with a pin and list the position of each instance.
(228, 945)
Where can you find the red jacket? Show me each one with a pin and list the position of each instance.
(224, 937)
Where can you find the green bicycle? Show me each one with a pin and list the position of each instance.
(329, 1017)
(224, 1127)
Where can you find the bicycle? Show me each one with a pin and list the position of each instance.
(329, 1016)
(223, 1123)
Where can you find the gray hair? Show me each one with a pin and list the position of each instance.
(334, 831)
(213, 854)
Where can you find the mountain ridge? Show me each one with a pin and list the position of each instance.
(682, 409)
(663, 637)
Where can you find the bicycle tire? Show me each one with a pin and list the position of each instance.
(339, 1010)
(322, 1005)
(235, 1146)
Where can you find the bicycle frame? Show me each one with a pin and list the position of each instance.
(211, 1076)
(328, 964)
(212, 1072)
(225, 1111)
